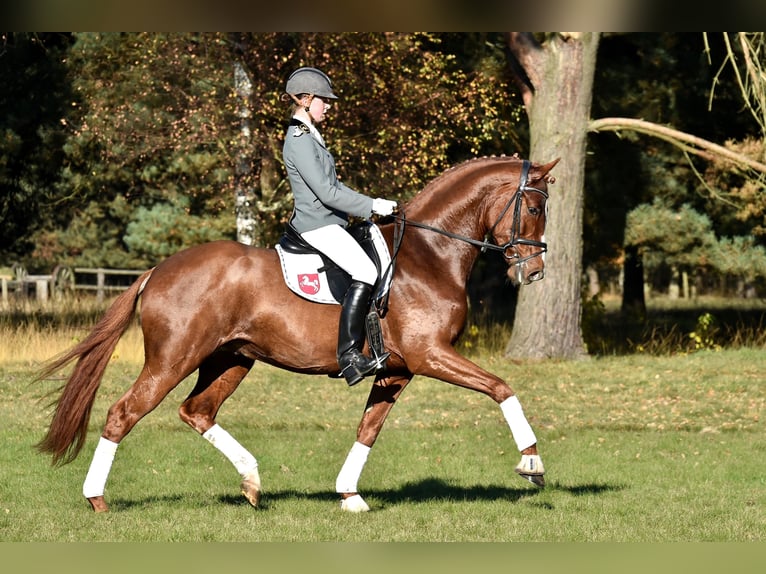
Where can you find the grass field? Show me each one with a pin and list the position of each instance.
(637, 448)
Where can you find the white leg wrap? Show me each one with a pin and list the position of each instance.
(242, 460)
(348, 477)
(520, 429)
(95, 480)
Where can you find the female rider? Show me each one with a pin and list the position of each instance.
(322, 206)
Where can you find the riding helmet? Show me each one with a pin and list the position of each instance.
(310, 81)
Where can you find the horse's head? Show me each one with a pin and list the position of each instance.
(519, 217)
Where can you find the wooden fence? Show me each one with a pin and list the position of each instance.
(66, 280)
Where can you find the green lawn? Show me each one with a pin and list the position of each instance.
(637, 449)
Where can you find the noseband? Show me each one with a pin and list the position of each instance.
(508, 249)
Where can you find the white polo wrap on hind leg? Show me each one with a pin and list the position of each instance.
(100, 465)
(242, 460)
(520, 429)
(349, 474)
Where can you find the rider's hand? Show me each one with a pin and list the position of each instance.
(383, 206)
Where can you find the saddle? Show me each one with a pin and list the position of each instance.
(313, 276)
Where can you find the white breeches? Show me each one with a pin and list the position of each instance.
(337, 244)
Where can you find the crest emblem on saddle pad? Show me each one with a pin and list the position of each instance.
(309, 283)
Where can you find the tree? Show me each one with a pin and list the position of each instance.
(555, 75)
(676, 243)
(151, 120)
(740, 258)
(730, 185)
(676, 240)
(409, 108)
(746, 57)
(32, 103)
(156, 127)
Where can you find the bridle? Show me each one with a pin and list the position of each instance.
(508, 249)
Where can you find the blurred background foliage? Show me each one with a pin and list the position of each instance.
(118, 149)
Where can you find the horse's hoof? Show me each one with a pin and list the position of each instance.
(98, 504)
(354, 503)
(251, 488)
(536, 479)
(531, 468)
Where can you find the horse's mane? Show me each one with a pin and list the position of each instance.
(469, 164)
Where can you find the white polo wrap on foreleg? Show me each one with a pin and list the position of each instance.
(103, 457)
(520, 429)
(242, 460)
(349, 474)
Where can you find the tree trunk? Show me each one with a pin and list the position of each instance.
(245, 196)
(674, 288)
(594, 286)
(633, 299)
(557, 95)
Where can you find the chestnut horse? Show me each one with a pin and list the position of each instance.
(220, 306)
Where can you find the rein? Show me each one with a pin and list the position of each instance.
(486, 244)
(401, 222)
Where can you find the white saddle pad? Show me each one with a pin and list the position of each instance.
(301, 272)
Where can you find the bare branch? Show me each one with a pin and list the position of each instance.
(755, 89)
(683, 140)
(751, 80)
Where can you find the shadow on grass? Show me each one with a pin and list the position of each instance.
(145, 502)
(432, 490)
(427, 490)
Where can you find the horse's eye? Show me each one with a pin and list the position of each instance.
(534, 211)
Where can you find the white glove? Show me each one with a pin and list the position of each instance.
(383, 206)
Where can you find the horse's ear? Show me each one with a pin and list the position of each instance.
(544, 169)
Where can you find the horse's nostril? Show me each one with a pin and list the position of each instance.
(535, 276)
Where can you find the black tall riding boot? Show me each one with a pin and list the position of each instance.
(351, 334)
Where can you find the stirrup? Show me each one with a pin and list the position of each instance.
(354, 372)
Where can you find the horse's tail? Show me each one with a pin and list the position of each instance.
(69, 425)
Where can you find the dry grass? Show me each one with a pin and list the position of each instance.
(33, 332)
(33, 344)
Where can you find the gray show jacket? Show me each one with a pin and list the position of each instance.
(320, 199)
